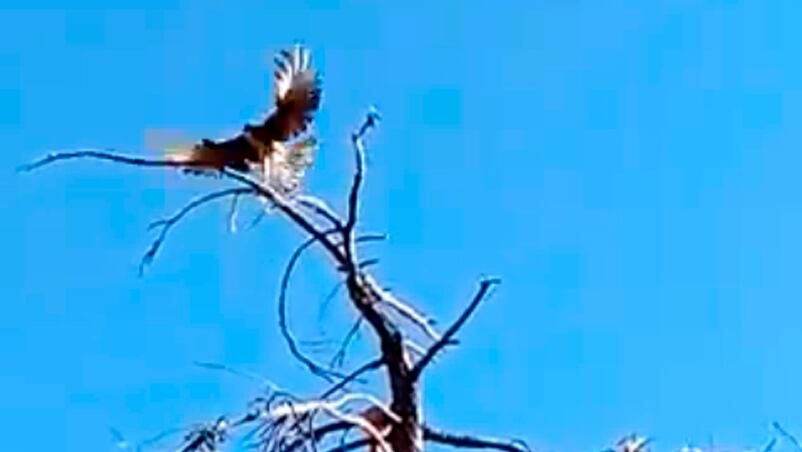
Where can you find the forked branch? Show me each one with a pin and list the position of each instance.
(280, 202)
(448, 336)
(292, 422)
(313, 367)
(166, 224)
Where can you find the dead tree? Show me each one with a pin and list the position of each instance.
(279, 421)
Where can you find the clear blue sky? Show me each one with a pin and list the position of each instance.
(630, 169)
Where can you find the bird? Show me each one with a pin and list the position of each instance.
(270, 148)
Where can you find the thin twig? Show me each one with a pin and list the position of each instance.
(473, 442)
(167, 223)
(282, 204)
(787, 435)
(105, 154)
(110, 155)
(268, 193)
(413, 347)
(311, 427)
(232, 215)
(344, 436)
(324, 304)
(375, 364)
(321, 208)
(368, 428)
(318, 434)
(207, 437)
(158, 438)
(448, 336)
(239, 373)
(256, 219)
(119, 439)
(339, 357)
(313, 367)
(337, 287)
(770, 445)
(286, 409)
(403, 309)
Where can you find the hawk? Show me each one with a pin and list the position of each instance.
(270, 148)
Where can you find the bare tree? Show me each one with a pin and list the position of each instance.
(279, 421)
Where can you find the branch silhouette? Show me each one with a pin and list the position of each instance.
(285, 422)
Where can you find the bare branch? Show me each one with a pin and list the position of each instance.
(208, 437)
(376, 320)
(404, 310)
(769, 446)
(105, 154)
(324, 304)
(286, 207)
(413, 347)
(785, 434)
(321, 208)
(292, 416)
(370, 122)
(232, 215)
(239, 373)
(371, 238)
(633, 443)
(313, 367)
(167, 223)
(484, 287)
(319, 434)
(258, 218)
(158, 438)
(375, 364)
(268, 193)
(286, 409)
(292, 423)
(375, 436)
(473, 442)
(339, 357)
(119, 439)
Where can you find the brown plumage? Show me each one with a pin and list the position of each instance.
(381, 423)
(297, 97)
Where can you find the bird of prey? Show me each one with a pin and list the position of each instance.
(272, 148)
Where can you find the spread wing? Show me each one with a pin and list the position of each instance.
(297, 97)
(234, 153)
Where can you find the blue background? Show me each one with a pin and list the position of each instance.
(630, 170)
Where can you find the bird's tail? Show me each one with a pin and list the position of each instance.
(199, 159)
(177, 147)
